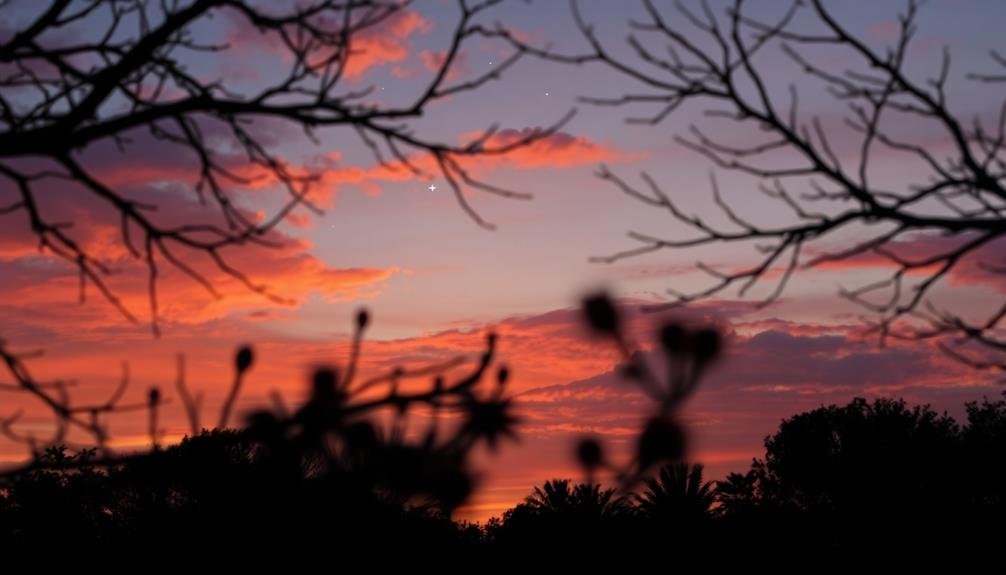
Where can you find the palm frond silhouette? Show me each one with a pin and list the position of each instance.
(678, 493)
(555, 496)
(560, 496)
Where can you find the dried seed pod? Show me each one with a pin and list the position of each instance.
(243, 358)
(362, 318)
(674, 338)
(590, 453)
(706, 345)
(662, 440)
(601, 314)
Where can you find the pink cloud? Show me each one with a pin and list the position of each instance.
(978, 268)
(433, 61)
(387, 42)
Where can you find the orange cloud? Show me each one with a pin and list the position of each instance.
(433, 61)
(978, 268)
(385, 43)
(292, 275)
(150, 162)
(289, 270)
(557, 151)
(253, 176)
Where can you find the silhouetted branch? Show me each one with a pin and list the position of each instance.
(192, 404)
(125, 74)
(692, 54)
(242, 362)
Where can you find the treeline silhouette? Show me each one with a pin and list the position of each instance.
(863, 487)
(359, 463)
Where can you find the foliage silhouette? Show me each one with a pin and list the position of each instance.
(235, 501)
(216, 497)
(340, 426)
(878, 482)
(984, 443)
(584, 501)
(371, 464)
(561, 525)
(842, 489)
(678, 494)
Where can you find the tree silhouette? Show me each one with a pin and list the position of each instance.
(79, 79)
(342, 433)
(555, 496)
(739, 494)
(596, 503)
(873, 481)
(563, 525)
(226, 490)
(221, 497)
(585, 501)
(678, 494)
(819, 176)
(84, 81)
(879, 455)
(984, 446)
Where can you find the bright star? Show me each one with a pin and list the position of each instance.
(432, 188)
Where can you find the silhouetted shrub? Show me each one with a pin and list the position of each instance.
(876, 484)
(880, 482)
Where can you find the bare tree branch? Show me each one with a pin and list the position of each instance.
(126, 72)
(961, 195)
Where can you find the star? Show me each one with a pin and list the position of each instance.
(432, 188)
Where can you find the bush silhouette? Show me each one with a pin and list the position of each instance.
(346, 468)
(874, 481)
(840, 487)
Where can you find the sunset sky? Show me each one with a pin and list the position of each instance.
(435, 281)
